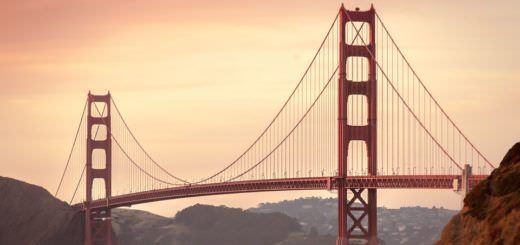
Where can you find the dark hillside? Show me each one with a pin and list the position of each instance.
(204, 225)
(31, 215)
(229, 226)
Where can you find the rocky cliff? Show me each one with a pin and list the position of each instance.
(491, 213)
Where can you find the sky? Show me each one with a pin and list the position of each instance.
(185, 72)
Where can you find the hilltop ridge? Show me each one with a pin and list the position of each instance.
(491, 213)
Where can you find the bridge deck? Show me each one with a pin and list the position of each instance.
(318, 183)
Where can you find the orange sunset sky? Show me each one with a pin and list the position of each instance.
(184, 74)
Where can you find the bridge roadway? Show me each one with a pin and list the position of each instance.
(315, 183)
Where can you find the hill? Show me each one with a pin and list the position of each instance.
(491, 213)
(31, 215)
(204, 224)
(406, 225)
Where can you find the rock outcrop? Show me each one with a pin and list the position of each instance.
(491, 213)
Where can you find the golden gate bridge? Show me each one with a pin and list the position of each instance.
(359, 119)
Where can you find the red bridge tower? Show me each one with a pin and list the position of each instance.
(360, 210)
(98, 223)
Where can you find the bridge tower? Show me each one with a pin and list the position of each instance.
(98, 223)
(362, 211)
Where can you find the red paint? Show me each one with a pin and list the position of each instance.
(98, 222)
(348, 133)
(342, 121)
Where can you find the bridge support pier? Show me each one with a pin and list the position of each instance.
(357, 212)
(359, 220)
(466, 173)
(98, 223)
(465, 187)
